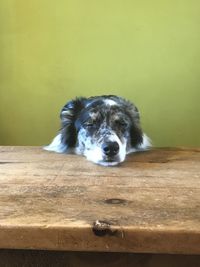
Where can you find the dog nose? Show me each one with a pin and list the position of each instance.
(110, 148)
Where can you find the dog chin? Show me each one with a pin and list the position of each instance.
(108, 163)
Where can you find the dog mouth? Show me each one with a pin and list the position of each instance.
(109, 161)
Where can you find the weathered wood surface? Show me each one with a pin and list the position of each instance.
(151, 203)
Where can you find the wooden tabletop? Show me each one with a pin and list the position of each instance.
(150, 203)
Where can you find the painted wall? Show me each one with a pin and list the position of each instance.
(146, 51)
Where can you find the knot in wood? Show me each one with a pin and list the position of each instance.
(102, 228)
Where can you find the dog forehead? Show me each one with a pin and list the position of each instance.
(100, 108)
(105, 112)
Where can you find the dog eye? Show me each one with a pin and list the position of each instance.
(89, 124)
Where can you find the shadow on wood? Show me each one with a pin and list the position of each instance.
(35, 258)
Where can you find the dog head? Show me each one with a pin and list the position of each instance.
(104, 129)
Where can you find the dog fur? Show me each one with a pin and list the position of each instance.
(103, 128)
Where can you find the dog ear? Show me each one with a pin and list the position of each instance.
(139, 140)
(68, 115)
(67, 137)
(136, 134)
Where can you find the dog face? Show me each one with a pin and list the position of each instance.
(104, 132)
(104, 129)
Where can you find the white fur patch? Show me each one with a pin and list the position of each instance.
(56, 145)
(110, 102)
(146, 144)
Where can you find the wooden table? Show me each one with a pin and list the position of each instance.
(148, 204)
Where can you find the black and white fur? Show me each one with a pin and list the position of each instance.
(103, 128)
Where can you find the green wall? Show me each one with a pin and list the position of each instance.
(146, 51)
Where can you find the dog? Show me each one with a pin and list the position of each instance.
(103, 128)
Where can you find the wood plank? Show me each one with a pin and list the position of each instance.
(150, 203)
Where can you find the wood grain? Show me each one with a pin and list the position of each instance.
(150, 203)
